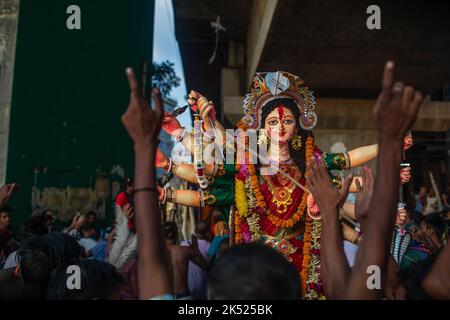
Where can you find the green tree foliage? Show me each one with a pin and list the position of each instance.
(164, 77)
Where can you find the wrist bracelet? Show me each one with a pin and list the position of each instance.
(169, 167)
(150, 189)
(207, 137)
(170, 195)
(181, 136)
(165, 196)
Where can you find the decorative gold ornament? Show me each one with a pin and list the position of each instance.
(296, 142)
(282, 187)
(220, 170)
(263, 139)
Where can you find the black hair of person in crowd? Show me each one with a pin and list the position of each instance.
(31, 228)
(98, 281)
(253, 272)
(40, 255)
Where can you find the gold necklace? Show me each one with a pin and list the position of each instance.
(282, 187)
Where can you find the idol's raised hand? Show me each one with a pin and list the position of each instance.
(161, 160)
(171, 125)
(142, 123)
(396, 108)
(205, 107)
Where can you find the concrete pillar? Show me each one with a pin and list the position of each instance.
(9, 14)
(261, 20)
(232, 79)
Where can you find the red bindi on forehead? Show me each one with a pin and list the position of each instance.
(280, 110)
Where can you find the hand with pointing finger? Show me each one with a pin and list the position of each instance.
(142, 123)
(396, 108)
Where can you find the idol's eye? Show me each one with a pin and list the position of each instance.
(288, 121)
(272, 122)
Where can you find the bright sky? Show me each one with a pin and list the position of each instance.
(165, 47)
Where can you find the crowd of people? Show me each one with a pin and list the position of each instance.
(407, 243)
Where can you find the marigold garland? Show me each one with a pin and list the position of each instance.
(237, 228)
(309, 152)
(314, 288)
(241, 198)
(250, 205)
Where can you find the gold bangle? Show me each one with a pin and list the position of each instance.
(171, 195)
(174, 168)
(348, 165)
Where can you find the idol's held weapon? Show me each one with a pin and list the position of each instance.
(178, 112)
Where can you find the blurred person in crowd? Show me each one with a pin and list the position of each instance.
(5, 222)
(88, 238)
(179, 257)
(28, 229)
(40, 255)
(432, 231)
(421, 199)
(99, 281)
(216, 217)
(432, 205)
(124, 200)
(220, 233)
(78, 221)
(91, 217)
(253, 272)
(129, 289)
(445, 197)
(5, 234)
(197, 276)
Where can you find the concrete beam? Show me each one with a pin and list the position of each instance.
(356, 114)
(259, 26)
(9, 17)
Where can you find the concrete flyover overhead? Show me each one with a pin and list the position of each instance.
(326, 43)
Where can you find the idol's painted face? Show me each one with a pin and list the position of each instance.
(280, 125)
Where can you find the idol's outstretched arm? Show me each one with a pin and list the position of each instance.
(188, 198)
(362, 155)
(185, 171)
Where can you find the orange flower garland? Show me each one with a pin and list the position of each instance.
(306, 252)
(288, 223)
(307, 234)
(237, 228)
(260, 202)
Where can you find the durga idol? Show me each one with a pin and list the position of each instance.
(272, 208)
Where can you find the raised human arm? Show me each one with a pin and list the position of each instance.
(143, 125)
(437, 282)
(334, 266)
(195, 255)
(6, 192)
(362, 155)
(394, 112)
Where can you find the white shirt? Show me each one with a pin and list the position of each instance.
(11, 261)
(350, 250)
(197, 276)
(88, 244)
